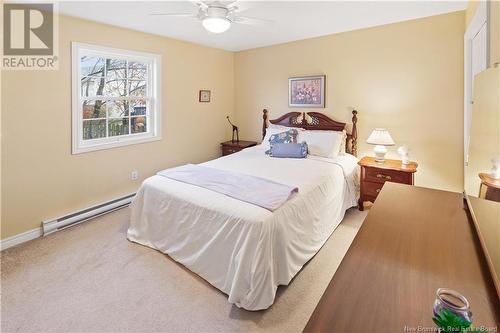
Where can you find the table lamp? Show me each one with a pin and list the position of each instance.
(380, 137)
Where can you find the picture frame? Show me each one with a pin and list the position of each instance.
(306, 91)
(204, 96)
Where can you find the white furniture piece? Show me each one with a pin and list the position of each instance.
(380, 137)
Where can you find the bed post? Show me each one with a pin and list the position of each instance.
(354, 134)
(264, 123)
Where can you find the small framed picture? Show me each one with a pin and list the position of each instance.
(204, 96)
(307, 91)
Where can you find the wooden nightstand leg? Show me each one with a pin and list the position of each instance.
(360, 205)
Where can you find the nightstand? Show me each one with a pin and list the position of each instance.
(489, 188)
(374, 175)
(229, 147)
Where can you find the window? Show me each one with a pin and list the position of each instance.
(116, 99)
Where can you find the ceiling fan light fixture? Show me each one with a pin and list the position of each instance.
(216, 25)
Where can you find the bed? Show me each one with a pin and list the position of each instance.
(242, 249)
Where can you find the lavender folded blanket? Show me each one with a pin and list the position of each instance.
(258, 191)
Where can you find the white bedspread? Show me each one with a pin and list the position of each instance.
(255, 190)
(244, 250)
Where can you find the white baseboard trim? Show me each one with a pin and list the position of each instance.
(62, 222)
(67, 221)
(20, 238)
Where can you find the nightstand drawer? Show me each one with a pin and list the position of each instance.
(230, 147)
(230, 150)
(372, 189)
(378, 175)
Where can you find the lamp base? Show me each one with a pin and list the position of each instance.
(380, 152)
(495, 170)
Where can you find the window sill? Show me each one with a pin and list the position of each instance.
(80, 149)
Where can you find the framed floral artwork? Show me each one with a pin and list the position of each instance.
(306, 91)
(204, 96)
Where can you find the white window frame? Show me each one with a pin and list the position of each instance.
(153, 84)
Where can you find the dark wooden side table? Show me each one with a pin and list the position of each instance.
(490, 187)
(230, 147)
(374, 175)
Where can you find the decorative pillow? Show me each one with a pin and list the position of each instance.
(289, 136)
(274, 129)
(288, 150)
(269, 133)
(323, 143)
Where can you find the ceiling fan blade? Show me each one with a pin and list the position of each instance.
(255, 21)
(241, 6)
(199, 4)
(232, 9)
(228, 4)
(174, 14)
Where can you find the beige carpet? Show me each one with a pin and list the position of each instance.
(89, 278)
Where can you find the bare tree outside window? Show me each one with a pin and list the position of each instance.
(114, 97)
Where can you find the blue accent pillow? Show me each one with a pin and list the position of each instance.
(289, 136)
(289, 150)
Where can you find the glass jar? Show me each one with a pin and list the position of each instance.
(454, 302)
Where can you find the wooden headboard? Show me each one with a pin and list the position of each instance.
(315, 121)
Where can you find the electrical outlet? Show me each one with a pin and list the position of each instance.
(134, 175)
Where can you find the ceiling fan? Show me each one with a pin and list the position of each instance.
(217, 16)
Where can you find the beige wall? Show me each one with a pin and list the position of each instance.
(406, 76)
(40, 177)
(495, 33)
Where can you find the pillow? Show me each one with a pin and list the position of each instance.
(274, 129)
(322, 143)
(343, 144)
(288, 150)
(270, 132)
(289, 136)
(284, 128)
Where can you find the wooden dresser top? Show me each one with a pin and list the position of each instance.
(370, 162)
(413, 241)
(241, 143)
(487, 180)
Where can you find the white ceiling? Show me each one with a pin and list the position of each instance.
(294, 20)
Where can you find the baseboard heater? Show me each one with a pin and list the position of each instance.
(51, 226)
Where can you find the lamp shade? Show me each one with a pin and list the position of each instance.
(216, 25)
(380, 137)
